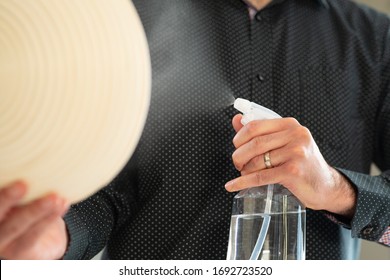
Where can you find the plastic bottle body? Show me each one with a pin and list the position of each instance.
(268, 223)
(284, 227)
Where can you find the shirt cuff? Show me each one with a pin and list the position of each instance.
(371, 219)
(385, 239)
(78, 236)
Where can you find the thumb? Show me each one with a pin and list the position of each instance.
(236, 122)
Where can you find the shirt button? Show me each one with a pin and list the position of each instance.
(368, 230)
(260, 77)
(258, 17)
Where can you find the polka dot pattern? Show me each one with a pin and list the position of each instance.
(322, 66)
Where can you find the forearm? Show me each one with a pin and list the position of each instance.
(343, 196)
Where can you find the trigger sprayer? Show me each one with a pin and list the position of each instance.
(268, 222)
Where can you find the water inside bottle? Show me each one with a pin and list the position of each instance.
(268, 223)
(285, 238)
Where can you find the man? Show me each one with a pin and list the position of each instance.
(324, 63)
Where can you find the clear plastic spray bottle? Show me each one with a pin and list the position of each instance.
(268, 222)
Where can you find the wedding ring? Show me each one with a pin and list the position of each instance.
(267, 160)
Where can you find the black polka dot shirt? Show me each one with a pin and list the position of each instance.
(326, 63)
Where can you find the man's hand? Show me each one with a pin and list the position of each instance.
(32, 231)
(296, 162)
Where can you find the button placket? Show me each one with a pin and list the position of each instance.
(261, 37)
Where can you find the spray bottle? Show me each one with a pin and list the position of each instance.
(268, 222)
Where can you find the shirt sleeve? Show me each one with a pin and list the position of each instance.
(372, 217)
(91, 222)
(382, 152)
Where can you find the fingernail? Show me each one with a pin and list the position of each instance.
(229, 185)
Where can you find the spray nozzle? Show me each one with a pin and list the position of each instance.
(253, 111)
(242, 105)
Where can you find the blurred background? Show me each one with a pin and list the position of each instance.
(372, 251)
(382, 5)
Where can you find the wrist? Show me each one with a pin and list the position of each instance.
(343, 196)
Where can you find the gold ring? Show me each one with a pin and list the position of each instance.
(267, 160)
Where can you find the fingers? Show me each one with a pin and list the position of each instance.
(258, 178)
(19, 219)
(294, 156)
(236, 122)
(258, 163)
(262, 127)
(48, 231)
(10, 196)
(258, 146)
(31, 231)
